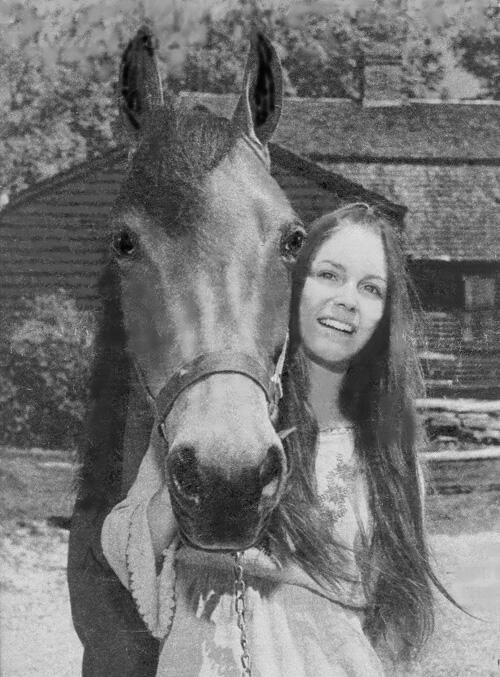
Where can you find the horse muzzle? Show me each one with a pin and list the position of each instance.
(221, 510)
(226, 471)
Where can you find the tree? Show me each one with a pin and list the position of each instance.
(319, 43)
(53, 114)
(59, 61)
(58, 69)
(477, 44)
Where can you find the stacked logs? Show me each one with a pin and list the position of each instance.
(458, 422)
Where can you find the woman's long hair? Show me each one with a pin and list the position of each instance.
(378, 396)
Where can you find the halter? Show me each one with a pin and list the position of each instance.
(207, 364)
(220, 362)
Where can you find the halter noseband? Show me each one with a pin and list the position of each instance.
(221, 362)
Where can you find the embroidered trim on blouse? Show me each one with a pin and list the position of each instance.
(144, 583)
(337, 429)
(167, 592)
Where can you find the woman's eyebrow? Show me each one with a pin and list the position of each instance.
(332, 263)
(375, 277)
(370, 276)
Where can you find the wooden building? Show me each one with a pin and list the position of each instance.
(441, 161)
(53, 235)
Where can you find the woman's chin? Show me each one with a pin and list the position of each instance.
(333, 360)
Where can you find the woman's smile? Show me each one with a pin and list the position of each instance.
(337, 325)
(343, 298)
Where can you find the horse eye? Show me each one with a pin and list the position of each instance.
(292, 243)
(124, 243)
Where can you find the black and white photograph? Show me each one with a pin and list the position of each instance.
(250, 338)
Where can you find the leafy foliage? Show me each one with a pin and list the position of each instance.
(59, 58)
(319, 43)
(58, 65)
(45, 368)
(477, 44)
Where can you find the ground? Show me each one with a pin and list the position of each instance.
(37, 638)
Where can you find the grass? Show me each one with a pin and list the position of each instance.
(476, 509)
(463, 513)
(37, 484)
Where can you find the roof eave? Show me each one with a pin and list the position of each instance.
(447, 258)
(279, 154)
(355, 158)
(332, 181)
(66, 176)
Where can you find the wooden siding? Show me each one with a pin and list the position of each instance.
(476, 331)
(56, 239)
(462, 351)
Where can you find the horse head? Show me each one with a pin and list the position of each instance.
(203, 239)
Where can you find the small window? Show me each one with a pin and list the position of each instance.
(479, 292)
(438, 289)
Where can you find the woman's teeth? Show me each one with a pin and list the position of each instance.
(336, 324)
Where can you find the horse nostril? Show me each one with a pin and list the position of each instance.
(271, 472)
(184, 473)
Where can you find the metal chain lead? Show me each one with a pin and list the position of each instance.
(240, 608)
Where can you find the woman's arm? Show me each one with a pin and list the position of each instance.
(161, 521)
(145, 515)
(138, 541)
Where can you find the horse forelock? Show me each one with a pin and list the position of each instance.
(176, 151)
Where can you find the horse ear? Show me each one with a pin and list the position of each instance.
(259, 108)
(139, 86)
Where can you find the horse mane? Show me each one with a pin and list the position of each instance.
(100, 453)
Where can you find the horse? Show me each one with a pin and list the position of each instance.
(192, 337)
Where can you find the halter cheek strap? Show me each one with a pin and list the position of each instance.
(276, 378)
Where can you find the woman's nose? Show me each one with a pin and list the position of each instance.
(346, 298)
(347, 305)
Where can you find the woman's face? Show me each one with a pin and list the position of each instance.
(344, 294)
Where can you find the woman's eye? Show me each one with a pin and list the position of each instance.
(327, 275)
(124, 243)
(292, 243)
(373, 289)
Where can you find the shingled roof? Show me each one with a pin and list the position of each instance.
(331, 128)
(281, 154)
(441, 160)
(453, 211)
(416, 130)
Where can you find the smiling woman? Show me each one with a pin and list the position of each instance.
(344, 294)
(352, 379)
